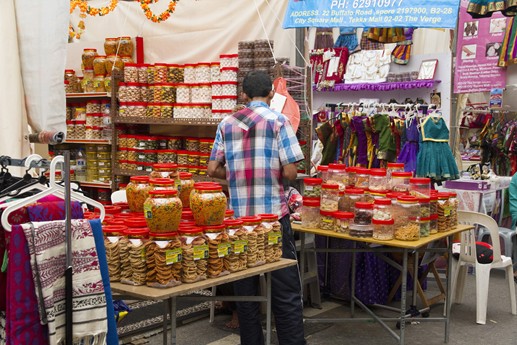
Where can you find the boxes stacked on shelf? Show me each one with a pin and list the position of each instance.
(98, 163)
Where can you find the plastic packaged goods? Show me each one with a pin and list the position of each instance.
(237, 260)
(255, 253)
(453, 205)
(425, 206)
(167, 256)
(343, 220)
(112, 236)
(219, 246)
(362, 177)
(138, 239)
(185, 187)
(312, 187)
(433, 225)
(208, 204)
(425, 226)
(272, 237)
(310, 213)
(382, 209)
(323, 173)
(327, 220)
(358, 230)
(175, 74)
(420, 187)
(348, 200)
(329, 197)
(377, 180)
(131, 73)
(137, 192)
(194, 254)
(444, 212)
(363, 213)
(337, 174)
(383, 229)
(400, 181)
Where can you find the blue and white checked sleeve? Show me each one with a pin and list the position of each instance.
(289, 149)
(218, 149)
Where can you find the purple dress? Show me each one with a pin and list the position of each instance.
(408, 154)
(362, 141)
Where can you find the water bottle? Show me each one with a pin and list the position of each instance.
(80, 169)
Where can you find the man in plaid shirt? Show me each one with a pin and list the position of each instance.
(254, 149)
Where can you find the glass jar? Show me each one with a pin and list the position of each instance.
(272, 237)
(323, 172)
(406, 212)
(444, 212)
(142, 73)
(358, 230)
(194, 254)
(400, 181)
(327, 220)
(382, 209)
(167, 256)
(182, 157)
(185, 187)
(98, 83)
(337, 174)
(348, 200)
(378, 180)
(88, 56)
(99, 65)
(425, 207)
(163, 210)
(453, 205)
(310, 213)
(136, 250)
(363, 213)
(112, 235)
(383, 229)
(362, 177)
(255, 253)
(126, 46)
(420, 187)
(433, 225)
(113, 62)
(219, 247)
(131, 73)
(137, 192)
(160, 183)
(425, 226)
(312, 187)
(167, 156)
(175, 74)
(237, 260)
(205, 145)
(110, 45)
(329, 197)
(343, 220)
(208, 204)
(165, 170)
(192, 144)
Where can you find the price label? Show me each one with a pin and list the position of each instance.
(173, 256)
(447, 211)
(274, 237)
(200, 252)
(223, 249)
(240, 247)
(148, 211)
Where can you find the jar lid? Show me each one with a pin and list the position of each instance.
(327, 213)
(343, 215)
(362, 171)
(209, 187)
(382, 202)
(337, 166)
(214, 228)
(165, 165)
(407, 198)
(224, 97)
(187, 214)
(114, 229)
(330, 186)
(354, 191)
(161, 181)
(420, 180)
(395, 165)
(425, 219)
(378, 192)
(138, 232)
(141, 179)
(233, 222)
(390, 221)
(268, 216)
(443, 195)
(424, 200)
(311, 202)
(394, 195)
(123, 205)
(229, 213)
(323, 168)
(351, 169)
(434, 216)
(312, 181)
(377, 172)
(190, 230)
(250, 219)
(112, 221)
(364, 205)
(229, 69)
(453, 194)
(163, 234)
(185, 176)
(110, 209)
(228, 56)
(187, 223)
(183, 152)
(434, 197)
(206, 140)
(166, 192)
(401, 174)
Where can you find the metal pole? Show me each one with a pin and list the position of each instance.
(68, 250)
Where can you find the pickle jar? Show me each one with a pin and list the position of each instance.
(337, 174)
(137, 192)
(110, 45)
(444, 212)
(126, 46)
(165, 170)
(343, 220)
(377, 180)
(185, 188)
(453, 206)
(363, 213)
(323, 172)
(382, 209)
(425, 226)
(88, 56)
(255, 253)
(136, 249)
(310, 213)
(433, 225)
(272, 237)
(219, 246)
(348, 200)
(162, 184)
(208, 204)
(400, 181)
(312, 187)
(163, 211)
(112, 235)
(383, 229)
(164, 255)
(194, 254)
(99, 65)
(237, 259)
(329, 197)
(327, 220)
(420, 187)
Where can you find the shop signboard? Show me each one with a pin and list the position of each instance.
(371, 13)
(478, 46)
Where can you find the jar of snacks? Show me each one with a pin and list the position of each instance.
(382, 209)
(400, 181)
(175, 73)
(394, 167)
(137, 192)
(255, 253)
(219, 246)
(363, 213)
(323, 173)
(131, 73)
(351, 171)
(215, 71)
(88, 56)
(142, 73)
(327, 220)
(185, 187)
(161, 183)
(113, 62)
(205, 145)
(444, 212)
(167, 156)
(98, 83)
(358, 230)
(165, 170)
(420, 186)
(272, 237)
(194, 254)
(136, 250)
(433, 224)
(362, 178)
(208, 204)
(126, 46)
(337, 174)
(378, 180)
(163, 210)
(343, 220)
(329, 197)
(433, 204)
(99, 65)
(312, 187)
(383, 229)
(167, 256)
(453, 205)
(110, 45)
(237, 260)
(310, 213)
(425, 226)
(112, 235)
(406, 212)
(425, 206)
(348, 200)
(192, 144)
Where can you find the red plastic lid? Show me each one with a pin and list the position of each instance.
(424, 200)
(420, 180)
(330, 186)
(434, 197)
(425, 219)
(377, 172)
(407, 198)
(395, 165)
(434, 216)
(224, 97)
(250, 219)
(312, 202)
(327, 213)
(163, 234)
(214, 228)
(165, 165)
(337, 166)
(383, 192)
(112, 209)
(113, 221)
(185, 176)
(229, 69)
(453, 194)
(229, 213)
(390, 221)
(364, 205)
(183, 152)
(401, 174)
(161, 181)
(122, 205)
(351, 169)
(268, 216)
(323, 168)
(354, 191)
(163, 192)
(135, 222)
(382, 202)
(443, 195)
(362, 171)
(190, 230)
(223, 56)
(312, 181)
(208, 187)
(343, 215)
(394, 195)
(233, 222)
(187, 214)
(141, 179)
(138, 232)
(114, 229)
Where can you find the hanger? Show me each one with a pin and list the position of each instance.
(54, 189)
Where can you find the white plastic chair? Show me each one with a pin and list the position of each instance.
(118, 196)
(468, 256)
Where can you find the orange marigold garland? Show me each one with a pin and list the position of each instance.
(92, 11)
(144, 4)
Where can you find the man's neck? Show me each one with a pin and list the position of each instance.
(261, 99)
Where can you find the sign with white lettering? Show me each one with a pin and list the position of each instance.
(371, 13)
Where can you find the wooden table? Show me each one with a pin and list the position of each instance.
(404, 247)
(171, 294)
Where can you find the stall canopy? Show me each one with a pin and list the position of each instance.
(371, 13)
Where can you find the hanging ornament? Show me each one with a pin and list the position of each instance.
(85, 9)
(144, 4)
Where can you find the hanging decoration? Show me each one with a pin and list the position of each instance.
(85, 9)
(144, 4)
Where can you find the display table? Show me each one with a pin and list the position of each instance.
(171, 294)
(393, 246)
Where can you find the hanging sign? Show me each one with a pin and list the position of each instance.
(478, 47)
(371, 13)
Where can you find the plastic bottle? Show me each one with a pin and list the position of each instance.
(80, 171)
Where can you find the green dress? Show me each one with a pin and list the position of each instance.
(485, 8)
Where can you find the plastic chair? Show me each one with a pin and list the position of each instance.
(468, 256)
(507, 235)
(118, 196)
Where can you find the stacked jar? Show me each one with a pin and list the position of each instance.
(310, 213)
(453, 205)
(237, 236)
(272, 238)
(219, 247)
(92, 163)
(406, 212)
(382, 209)
(312, 187)
(327, 220)
(194, 254)
(343, 221)
(208, 204)
(112, 236)
(352, 172)
(377, 180)
(103, 163)
(420, 187)
(348, 200)
(255, 253)
(329, 197)
(164, 256)
(400, 181)
(394, 167)
(137, 192)
(383, 229)
(323, 172)
(337, 175)
(444, 212)
(363, 214)
(362, 178)
(136, 251)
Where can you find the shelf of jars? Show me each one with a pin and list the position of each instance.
(88, 141)
(197, 178)
(387, 86)
(87, 95)
(166, 121)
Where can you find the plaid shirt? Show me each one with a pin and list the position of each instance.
(255, 143)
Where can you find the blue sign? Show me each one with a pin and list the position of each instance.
(372, 13)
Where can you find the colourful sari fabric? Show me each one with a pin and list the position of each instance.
(508, 54)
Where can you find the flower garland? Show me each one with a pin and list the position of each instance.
(84, 10)
(144, 4)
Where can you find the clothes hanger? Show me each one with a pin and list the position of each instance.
(54, 189)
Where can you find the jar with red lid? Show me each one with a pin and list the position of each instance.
(162, 184)
(348, 200)
(323, 172)
(361, 230)
(237, 260)
(337, 174)
(382, 209)
(255, 253)
(136, 249)
(377, 180)
(310, 213)
(425, 206)
(377, 194)
(362, 178)
(343, 220)
(111, 209)
(363, 213)
(329, 197)
(400, 181)
(208, 204)
(272, 237)
(88, 56)
(229, 214)
(112, 236)
(383, 229)
(312, 187)
(327, 220)
(194, 254)
(433, 204)
(433, 225)
(425, 226)
(137, 192)
(351, 171)
(406, 212)
(420, 187)
(444, 212)
(165, 170)
(166, 253)
(110, 45)
(219, 246)
(394, 167)
(163, 210)
(185, 187)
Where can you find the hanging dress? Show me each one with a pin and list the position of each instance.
(386, 35)
(386, 148)
(508, 54)
(324, 38)
(362, 140)
(347, 38)
(485, 8)
(402, 51)
(408, 154)
(435, 159)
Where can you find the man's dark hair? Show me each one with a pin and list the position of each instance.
(257, 84)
